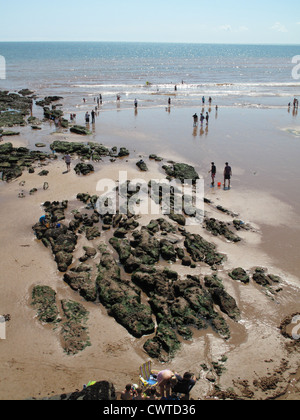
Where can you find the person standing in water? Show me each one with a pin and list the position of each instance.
(227, 175)
(213, 173)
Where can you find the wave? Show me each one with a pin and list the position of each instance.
(187, 85)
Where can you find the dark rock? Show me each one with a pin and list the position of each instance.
(83, 168)
(123, 152)
(43, 173)
(221, 298)
(82, 283)
(240, 274)
(167, 250)
(63, 260)
(44, 300)
(220, 228)
(101, 391)
(78, 129)
(201, 250)
(142, 166)
(178, 218)
(181, 171)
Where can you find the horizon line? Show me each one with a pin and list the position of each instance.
(152, 42)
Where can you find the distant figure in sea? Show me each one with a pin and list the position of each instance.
(227, 175)
(87, 118)
(169, 101)
(67, 159)
(207, 118)
(213, 173)
(135, 103)
(203, 100)
(210, 100)
(93, 116)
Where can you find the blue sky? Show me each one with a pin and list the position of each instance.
(198, 21)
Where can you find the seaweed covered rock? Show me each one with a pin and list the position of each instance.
(122, 299)
(181, 171)
(220, 228)
(240, 274)
(164, 345)
(263, 279)
(14, 108)
(134, 316)
(44, 300)
(201, 250)
(84, 168)
(74, 332)
(142, 166)
(99, 391)
(14, 160)
(83, 283)
(221, 298)
(78, 129)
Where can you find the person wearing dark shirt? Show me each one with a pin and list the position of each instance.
(213, 173)
(227, 175)
(184, 385)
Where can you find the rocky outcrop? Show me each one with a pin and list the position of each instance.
(181, 171)
(84, 168)
(122, 299)
(202, 251)
(78, 129)
(14, 160)
(100, 391)
(70, 315)
(13, 109)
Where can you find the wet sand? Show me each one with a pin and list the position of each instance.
(264, 159)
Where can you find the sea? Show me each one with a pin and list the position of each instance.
(232, 75)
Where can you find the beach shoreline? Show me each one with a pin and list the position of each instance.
(33, 362)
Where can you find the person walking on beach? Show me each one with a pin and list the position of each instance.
(93, 116)
(67, 159)
(135, 103)
(87, 117)
(207, 118)
(227, 175)
(213, 173)
(203, 100)
(202, 118)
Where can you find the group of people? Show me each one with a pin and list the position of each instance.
(169, 385)
(227, 174)
(202, 118)
(295, 107)
(87, 117)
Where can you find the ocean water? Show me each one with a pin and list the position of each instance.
(233, 75)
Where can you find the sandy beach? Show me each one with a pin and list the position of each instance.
(262, 145)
